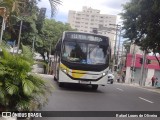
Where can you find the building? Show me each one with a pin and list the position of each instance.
(133, 67)
(89, 19)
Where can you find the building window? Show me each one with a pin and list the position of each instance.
(77, 18)
(77, 26)
(77, 22)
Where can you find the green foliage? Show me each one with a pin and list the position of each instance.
(44, 38)
(127, 45)
(21, 90)
(27, 54)
(54, 4)
(51, 32)
(141, 23)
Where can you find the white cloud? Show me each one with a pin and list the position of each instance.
(112, 7)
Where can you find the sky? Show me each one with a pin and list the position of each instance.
(112, 7)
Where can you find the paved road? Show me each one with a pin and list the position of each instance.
(114, 97)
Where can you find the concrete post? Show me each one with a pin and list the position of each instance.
(19, 36)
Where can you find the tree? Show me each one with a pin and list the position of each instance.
(127, 45)
(141, 24)
(21, 9)
(16, 10)
(54, 4)
(47, 38)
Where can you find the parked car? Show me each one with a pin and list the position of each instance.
(110, 78)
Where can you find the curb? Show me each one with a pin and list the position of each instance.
(149, 89)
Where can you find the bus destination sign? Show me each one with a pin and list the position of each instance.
(84, 37)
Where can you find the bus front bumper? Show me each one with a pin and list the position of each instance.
(64, 78)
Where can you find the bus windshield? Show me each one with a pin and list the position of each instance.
(84, 53)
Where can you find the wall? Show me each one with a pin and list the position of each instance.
(128, 75)
(149, 76)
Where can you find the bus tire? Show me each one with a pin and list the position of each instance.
(60, 84)
(55, 79)
(111, 81)
(94, 87)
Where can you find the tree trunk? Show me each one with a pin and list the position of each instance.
(157, 59)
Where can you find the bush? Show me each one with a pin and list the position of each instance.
(19, 90)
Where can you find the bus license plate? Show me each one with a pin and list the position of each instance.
(84, 82)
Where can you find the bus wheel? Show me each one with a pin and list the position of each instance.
(54, 78)
(61, 84)
(94, 87)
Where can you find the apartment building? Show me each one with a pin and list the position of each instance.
(89, 19)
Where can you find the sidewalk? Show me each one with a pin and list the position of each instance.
(149, 88)
(153, 89)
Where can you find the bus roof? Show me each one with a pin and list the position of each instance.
(85, 33)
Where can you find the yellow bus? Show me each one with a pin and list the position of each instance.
(82, 58)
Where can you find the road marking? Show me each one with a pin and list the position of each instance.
(119, 89)
(145, 100)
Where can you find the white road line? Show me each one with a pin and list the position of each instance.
(119, 89)
(145, 100)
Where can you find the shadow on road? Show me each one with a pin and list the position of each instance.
(78, 88)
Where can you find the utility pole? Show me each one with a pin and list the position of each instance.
(49, 62)
(115, 45)
(2, 13)
(121, 63)
(133, 63)
(2, 29)
(142, 83)
(118, 46)
(33, 44)
(19, 36)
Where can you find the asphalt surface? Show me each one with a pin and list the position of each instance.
(113, 97)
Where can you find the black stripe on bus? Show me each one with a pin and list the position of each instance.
(85, 73)
(85, 67)
(83, 79)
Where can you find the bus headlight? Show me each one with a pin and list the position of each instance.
(103, 74)
(64, 70)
